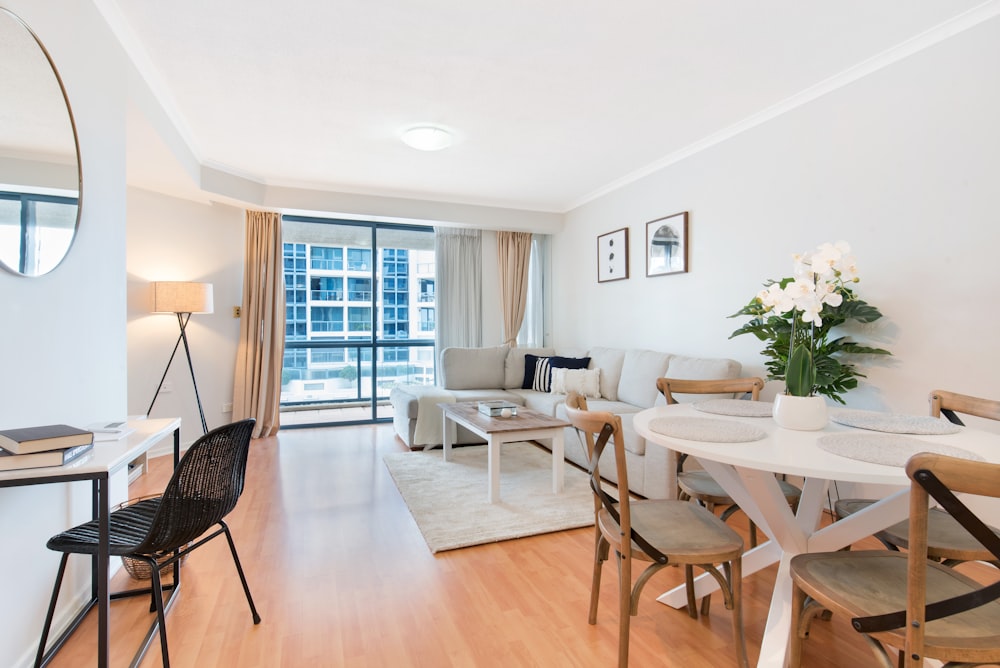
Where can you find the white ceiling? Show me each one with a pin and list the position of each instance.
(552, 101)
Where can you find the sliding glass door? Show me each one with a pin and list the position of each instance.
(360, 317)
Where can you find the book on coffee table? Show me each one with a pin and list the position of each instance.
(496, 408)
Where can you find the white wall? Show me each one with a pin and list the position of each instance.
(62, 343)
(171, 239)
(903, 164)
(175, 239)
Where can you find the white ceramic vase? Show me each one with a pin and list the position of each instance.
(801, 413)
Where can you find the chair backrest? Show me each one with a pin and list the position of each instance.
(751, 385)
(598, 429)
(204, 488)
(949, 403)
(939, 477)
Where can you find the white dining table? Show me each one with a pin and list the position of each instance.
(746, 471)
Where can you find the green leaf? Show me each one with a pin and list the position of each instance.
(800, 375)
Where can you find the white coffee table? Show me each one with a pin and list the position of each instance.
(527, 425)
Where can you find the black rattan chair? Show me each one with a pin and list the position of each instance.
(159, 532)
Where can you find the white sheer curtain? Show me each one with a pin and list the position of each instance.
(459, 287)
(532, 334)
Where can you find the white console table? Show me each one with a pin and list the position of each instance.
(99, 465)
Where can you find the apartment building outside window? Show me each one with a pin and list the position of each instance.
(359, 317)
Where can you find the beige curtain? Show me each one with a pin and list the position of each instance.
(257, 385)
(513, 256)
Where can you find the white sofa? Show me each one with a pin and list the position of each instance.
(627, 384)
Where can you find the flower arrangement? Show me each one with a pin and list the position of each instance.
(795, 316)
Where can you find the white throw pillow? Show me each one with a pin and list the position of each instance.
(582, 381)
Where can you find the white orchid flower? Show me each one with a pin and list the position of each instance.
(848, 268)
(809, 305)
(800, 288)
(774, 298)
(828, 294)
(824, 261)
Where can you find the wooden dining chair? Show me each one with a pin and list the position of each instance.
(905, 600)
(659, 532)
(697, 484)
(947, 541)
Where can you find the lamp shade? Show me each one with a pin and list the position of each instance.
(182, 297)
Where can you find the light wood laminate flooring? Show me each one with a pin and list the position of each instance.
(342, 577)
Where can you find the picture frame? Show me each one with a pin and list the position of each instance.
(667, 245)
(612, 256)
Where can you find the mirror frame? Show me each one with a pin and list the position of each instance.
(76, 147)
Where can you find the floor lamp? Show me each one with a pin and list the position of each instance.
(182, 299)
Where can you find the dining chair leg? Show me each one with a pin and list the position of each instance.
(692, 605)
(601, 548)
(239, 569)
(734, 573)
(52, 610)
(624, 607)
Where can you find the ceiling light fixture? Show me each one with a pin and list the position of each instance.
(427, 137)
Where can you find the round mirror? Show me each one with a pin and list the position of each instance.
(40, 178)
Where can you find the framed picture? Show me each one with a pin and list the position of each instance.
(667, 245)
(612, 256)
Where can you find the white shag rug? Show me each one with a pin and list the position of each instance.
(448, 499)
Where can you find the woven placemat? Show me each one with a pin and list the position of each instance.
(737, 407)
(887, 449)
(895, 423)
(707, 429)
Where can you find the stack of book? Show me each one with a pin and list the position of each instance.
(498, 408)
(49, 445)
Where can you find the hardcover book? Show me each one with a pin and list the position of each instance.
(11, 462)
(27, 440)
(496, 408)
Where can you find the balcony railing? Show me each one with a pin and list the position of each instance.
(328, 295)
(327, 265)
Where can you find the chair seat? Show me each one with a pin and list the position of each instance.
(129, 526)
(686, 532)
(701, 485)
(946, 538)
(858, 584)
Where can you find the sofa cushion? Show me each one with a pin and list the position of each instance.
(702, 368)
(640, 370)
(538, 370)
(514, 365)
(543, 402)
(473, 368)
(582, 381)
(609, 361)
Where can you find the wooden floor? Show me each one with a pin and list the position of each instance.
(342, 577)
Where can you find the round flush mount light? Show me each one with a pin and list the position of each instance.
(427, 137)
